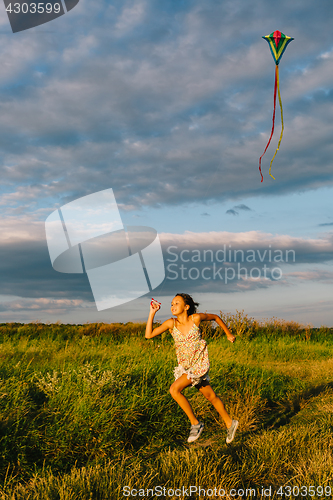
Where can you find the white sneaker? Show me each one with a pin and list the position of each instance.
(195, 432)
(232, 431)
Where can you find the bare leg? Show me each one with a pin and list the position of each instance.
(217, 403)
(175, 391)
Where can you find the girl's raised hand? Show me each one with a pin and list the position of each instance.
(155, 305)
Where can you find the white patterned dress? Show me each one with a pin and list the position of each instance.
(192, 355)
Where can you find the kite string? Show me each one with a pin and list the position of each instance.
(277, 149)
(275, 87)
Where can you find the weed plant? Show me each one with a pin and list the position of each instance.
(85, 411)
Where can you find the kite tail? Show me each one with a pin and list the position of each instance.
(277, 149)
(275, 87)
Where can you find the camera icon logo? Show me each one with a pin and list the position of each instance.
(25, 14)
(87, 235)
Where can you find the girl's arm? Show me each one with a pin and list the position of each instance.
(150, 332)
(215, 317)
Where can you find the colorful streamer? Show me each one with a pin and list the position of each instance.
(277, 43)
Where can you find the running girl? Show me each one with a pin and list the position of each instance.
(192, 356)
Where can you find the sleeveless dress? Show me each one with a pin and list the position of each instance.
(192, 355)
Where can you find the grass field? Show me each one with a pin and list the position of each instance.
(86, 411)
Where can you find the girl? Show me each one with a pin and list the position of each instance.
(192, 356)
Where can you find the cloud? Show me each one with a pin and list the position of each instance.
(319, 275)
(188, 93)
(26, 269)
(206, 262)
(41, 304)
(132, 15)
(234, 211)
(25, 266)
(252, 247)
(242, 207)
(25, 310)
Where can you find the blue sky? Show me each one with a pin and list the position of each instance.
(170, 105)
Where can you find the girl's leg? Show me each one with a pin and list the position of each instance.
(176, 393)
(210, 395)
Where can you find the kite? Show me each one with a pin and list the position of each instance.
(277, 43)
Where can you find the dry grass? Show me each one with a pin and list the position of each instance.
(84, 414)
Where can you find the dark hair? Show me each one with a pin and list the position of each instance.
(189, 301)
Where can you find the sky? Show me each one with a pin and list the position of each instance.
(170, 105)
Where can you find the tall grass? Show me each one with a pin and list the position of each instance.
(85, 410)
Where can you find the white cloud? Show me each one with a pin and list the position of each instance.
(21, 230)
(319, 275)
(131, 16)
(249, 239)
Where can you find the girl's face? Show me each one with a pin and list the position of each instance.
(178, 306)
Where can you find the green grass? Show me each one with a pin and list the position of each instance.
(85, 410)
